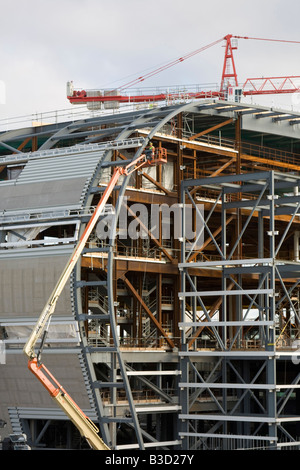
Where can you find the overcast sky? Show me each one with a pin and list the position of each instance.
(97, 43)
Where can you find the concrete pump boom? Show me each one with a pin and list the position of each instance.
(57, 392)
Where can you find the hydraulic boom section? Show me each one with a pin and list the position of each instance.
(81, 421)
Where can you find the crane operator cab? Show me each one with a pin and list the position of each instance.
(155, 156)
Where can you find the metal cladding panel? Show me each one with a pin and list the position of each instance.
(59, 167)
(50, 182)
(18, 387)
(26, 284)
(42, 195)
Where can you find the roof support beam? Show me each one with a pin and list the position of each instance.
(148, 311)
(165, 252)
(211, 129)
(9, 147)
(158, 185)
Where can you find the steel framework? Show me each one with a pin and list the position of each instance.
(230, 380)
(247, 326)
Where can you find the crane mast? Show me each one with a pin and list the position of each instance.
(86, 427)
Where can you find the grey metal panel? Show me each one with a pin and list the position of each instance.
(18, 387)
(39, 252)
(44, 413)
(60, 167)
(50, 182)
(42, 195)
(26, 284)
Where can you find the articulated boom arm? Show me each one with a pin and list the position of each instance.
(61, 397)
(51, 304)
(85, 426)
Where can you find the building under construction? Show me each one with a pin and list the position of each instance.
(179, 326)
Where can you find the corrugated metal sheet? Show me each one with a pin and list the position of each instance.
(43, 195)
(19, 387)
(26, 283)
(60, 181)
(61, 167)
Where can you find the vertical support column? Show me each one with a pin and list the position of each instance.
(178, 246)
(223, 308)
(194, 309)
(184, 362)
(238, 225)
(34, 144)
(224, 311)
(177, 313)
(260, 253)
(134, 321)
(270, 345)
(113, 398)
(159, 169)
(296, 245)
(237, 302)
(159, 302)
(238, 142)
(140, 312)
(179, 153)
(224, 401)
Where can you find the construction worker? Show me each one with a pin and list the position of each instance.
(149, 152)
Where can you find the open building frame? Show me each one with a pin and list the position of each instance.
(164, 344)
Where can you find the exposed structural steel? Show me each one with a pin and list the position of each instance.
(165, 340)
(84, 424)
(254, 286)
(86, 427)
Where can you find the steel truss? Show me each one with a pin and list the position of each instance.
(240, 326)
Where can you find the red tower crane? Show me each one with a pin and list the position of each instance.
(229, 70)
(229, 82)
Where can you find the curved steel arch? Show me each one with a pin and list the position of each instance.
(180, 109)
(120, 119)
(164, 114)
(141, 118)
(185, 107)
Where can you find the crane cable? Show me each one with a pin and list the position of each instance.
(191, 54)
(263, 39)
(168, 65)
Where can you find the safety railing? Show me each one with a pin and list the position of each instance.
(217, 141)
(139, 396)
(70, 114)
(175, 94)
(271, 154)
(287, 344)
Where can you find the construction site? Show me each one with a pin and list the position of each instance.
(150, 273)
